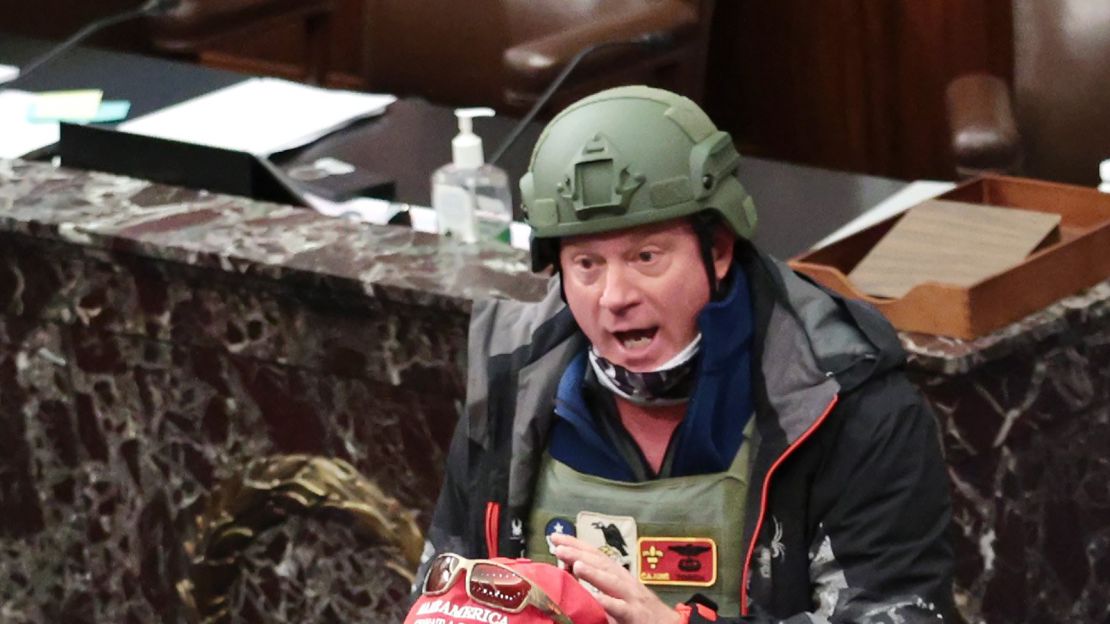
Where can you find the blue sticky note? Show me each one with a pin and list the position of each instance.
(111, 110)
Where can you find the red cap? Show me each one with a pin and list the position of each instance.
(456, 607)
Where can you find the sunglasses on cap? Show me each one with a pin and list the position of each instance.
(490, 584)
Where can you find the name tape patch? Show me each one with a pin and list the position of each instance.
(677, 561)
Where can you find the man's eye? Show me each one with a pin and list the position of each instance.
(586, 264)
(647, 256)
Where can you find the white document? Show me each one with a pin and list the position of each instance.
(914, 193)
(260, 116)
(364, 209)
(424, 220)
(19, 136)
(380, 211)
(8, 73)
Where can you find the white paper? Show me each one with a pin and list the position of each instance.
(914, 193)
(19, 136)
(260, 116)
(364, 209)
(380, 211)
(8, 73)
(424, 220)
(520, 235)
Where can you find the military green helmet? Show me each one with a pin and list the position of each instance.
(631, 156)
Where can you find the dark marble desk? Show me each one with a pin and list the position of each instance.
(153, 340)
(1025, 414)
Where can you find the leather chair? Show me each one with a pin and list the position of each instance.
(504, 53)
(1056, 123)
(194, 25)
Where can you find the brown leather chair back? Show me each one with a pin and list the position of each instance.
(1062, 86)
(454, 52)
(194, 25)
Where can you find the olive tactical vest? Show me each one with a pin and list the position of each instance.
(680, 535)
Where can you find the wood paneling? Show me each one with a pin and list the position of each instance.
(851, 84)
(280, 51)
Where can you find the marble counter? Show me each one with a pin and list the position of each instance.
(154, 341)
(1025, 414)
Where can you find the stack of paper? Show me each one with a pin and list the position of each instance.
(8, 73)
(29, 121)
(951, 242)
(913, 194)
(18, 135)
(259, 116)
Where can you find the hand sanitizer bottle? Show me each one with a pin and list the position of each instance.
(471, 199)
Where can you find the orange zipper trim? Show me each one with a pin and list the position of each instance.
(763, 501)
(493, 517)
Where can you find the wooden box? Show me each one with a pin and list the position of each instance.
(1080, 259)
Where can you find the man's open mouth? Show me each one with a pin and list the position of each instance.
(636, 338)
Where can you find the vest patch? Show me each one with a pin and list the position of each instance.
(557, 526)
(677, 561)
(613, 535)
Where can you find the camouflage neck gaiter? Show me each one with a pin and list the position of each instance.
(670, 384)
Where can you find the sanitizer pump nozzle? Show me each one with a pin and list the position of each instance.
(466, 147)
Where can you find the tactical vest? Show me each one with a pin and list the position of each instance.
(679, 535)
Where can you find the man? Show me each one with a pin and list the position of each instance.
(684, 419)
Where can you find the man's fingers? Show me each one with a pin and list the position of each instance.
(624, 598)
(562, 539)
(615, 608)
(612, 580)
(569, 550)
(613, 590)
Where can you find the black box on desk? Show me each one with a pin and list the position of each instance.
(187, 164)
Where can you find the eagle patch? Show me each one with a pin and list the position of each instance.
(677, 561)
(613, 535)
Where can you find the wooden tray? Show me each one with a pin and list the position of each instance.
(1080, 259)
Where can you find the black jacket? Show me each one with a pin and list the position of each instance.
(848, 513)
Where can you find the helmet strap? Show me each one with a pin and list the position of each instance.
(705, 226)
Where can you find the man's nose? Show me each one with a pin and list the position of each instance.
(620, 289)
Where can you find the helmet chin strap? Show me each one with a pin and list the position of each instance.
(704, 224)
(670, 384)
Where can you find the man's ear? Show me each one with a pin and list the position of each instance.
(724, 244)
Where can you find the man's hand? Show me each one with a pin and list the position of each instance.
(624, 598)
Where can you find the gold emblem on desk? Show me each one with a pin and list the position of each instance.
(268, 492)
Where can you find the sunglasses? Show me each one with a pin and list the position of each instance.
(490, 584)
